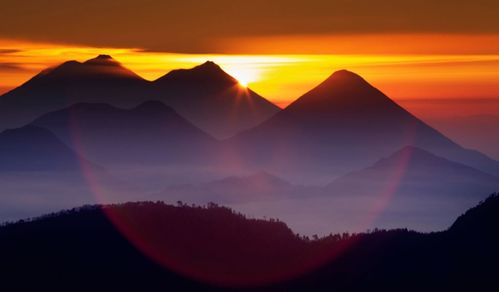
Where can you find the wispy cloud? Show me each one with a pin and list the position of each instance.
(199, 26)
(9, 66)
(9, 51)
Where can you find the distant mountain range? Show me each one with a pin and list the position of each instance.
(415, 172)
(407, 174)
(341, 125)
(257, 187)
(411, 188)
(206, 95)
(160, 135)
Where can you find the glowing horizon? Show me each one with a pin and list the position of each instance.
(282, 78)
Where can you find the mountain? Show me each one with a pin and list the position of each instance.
(32, 148)
(205, 95)
(151, 133)
(459, 258)
(209, 244)
(40, 174)
(415, 172)
(157, 247)
(341, 125)
(410, 188)
(260, 186)
(213, 100)
(476, 131)
(98, 80)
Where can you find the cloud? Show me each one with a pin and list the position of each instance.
(9, 67)
(9, 51)
(202, 26)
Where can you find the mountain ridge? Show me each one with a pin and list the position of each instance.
(460, 257)
(412, 171)
(151, 131)
(205, 95)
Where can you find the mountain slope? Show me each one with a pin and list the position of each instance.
(205, 95)
(151, 133)
(341, 125)
(39, 174)
(213, 100)
(415, 172)
(476, 132)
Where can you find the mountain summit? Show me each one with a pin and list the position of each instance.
(414, 172)
(345, 94)
(102, 67)
(208, 75)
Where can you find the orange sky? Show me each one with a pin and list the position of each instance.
(469, 73)
(436, 57)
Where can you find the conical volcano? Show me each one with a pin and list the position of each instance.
(341, 125)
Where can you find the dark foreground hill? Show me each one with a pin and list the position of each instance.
(82, 249)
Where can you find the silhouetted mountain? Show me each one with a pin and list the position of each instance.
(99, 80)
(151, 133)
(216, 245)
(102, 68)
(32, 148)
(205, 95)
(206, 243)
(480, 220)
(415, 172)
(260, 186)
(213, 100)
(401, 260)
(343, 124)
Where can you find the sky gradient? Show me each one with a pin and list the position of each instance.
(436, 58)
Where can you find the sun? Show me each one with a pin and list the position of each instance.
(243, 73)
(243, 83)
